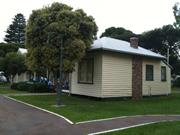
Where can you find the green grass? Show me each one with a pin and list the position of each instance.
(8, 91)
(163, 128)
(4, 84)
(81, 109)
(5, 88)
(175, 90)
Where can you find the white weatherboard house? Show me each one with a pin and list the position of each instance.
(23, 76)
(115, 68)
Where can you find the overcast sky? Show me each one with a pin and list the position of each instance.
(135, 15)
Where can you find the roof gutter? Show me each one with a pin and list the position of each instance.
(123, 52)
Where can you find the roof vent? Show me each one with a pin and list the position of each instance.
(134, 42)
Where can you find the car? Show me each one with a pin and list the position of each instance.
(176, 81)
(3, 78)
(177, 77)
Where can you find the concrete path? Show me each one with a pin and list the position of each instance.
(20, 119)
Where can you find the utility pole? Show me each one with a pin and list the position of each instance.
(168, 55)
(167, 44)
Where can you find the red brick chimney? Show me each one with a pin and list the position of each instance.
(134, 42)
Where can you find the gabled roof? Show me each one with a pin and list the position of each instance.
(115, 45)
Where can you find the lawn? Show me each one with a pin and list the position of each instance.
(175, 90)
(4, 84)
(81, 109)
(163, 128)
(9, 91)
(5, 88)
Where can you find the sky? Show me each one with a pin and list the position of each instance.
(135, 15)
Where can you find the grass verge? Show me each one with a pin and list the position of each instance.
(163, 128)
(9, 91)
(81, 109)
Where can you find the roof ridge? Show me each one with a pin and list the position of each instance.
(116, 45)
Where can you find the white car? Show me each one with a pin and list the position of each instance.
(2, 77)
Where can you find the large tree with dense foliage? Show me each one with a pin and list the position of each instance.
(6, 48)
(176, 11)
(156, 39)
(12, 64)
(1, 63)
(118, 33)
(16, 31)
(50, 26)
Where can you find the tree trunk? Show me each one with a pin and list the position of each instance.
(55, 80)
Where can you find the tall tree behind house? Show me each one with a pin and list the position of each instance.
(176, 11)
(16, 31)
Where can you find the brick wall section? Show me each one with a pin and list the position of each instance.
(136, 78)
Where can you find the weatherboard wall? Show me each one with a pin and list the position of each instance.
(116, 75)
(21, 78)
(156, 87)
(94, 89)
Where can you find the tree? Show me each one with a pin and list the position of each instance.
(1, 63)
(50, 26)
(156, 39)
(12, 64)
(16, 31)
(6, 48)
(176, 11)
(118, 33)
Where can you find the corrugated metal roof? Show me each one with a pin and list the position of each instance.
(115, 45)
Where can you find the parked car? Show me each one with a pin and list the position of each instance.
(2, 77)
(176, 81)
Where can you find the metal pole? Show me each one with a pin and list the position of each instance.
(168, 55)
(59, 89)
(167, 44)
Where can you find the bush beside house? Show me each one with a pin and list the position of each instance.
(34, 87)
(176, 83)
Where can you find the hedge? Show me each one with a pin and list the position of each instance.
(31, 87)
(177, 82)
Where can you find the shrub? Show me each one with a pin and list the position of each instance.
(177, 82)
(23, 86)
(34, 87)
(14, 86)
(4, 84)
(38, 88)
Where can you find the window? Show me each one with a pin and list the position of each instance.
(149, 73)
(163, 73)
(85, 71)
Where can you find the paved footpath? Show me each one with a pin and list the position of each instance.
(19, 119)
(122, 123)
